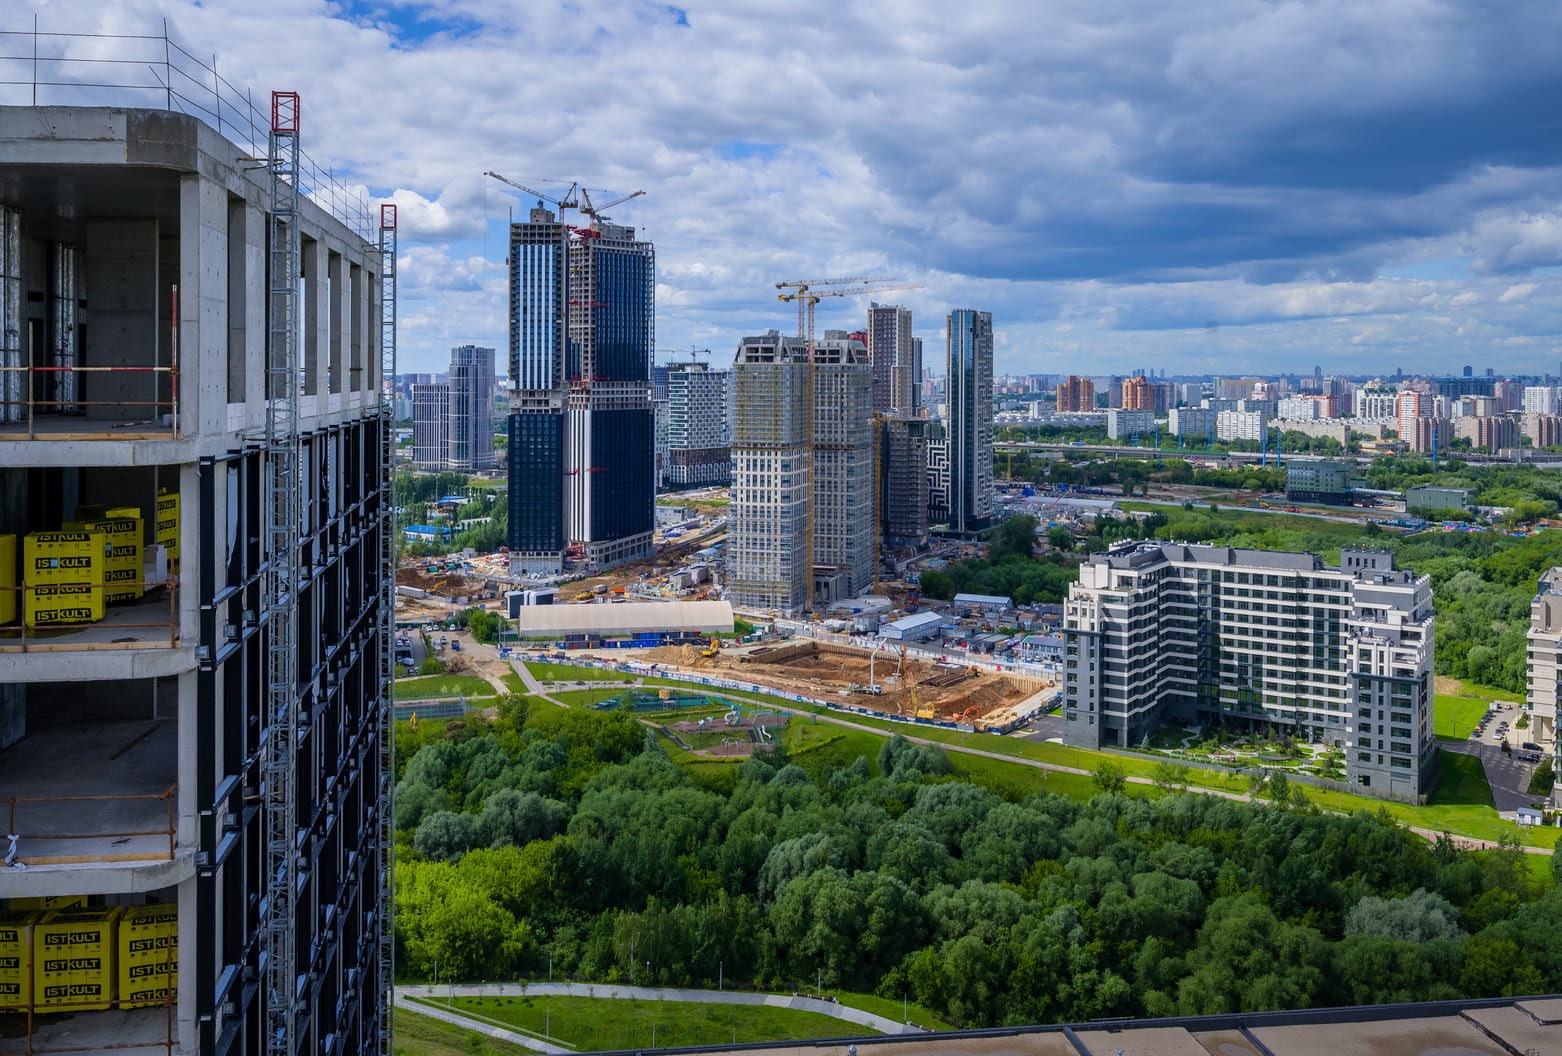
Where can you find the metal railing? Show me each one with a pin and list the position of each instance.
(14, 636)
(167, 795)
(99, 428)
(152, 70)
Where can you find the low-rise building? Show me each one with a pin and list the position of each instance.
(1325, 480)
(1262, 640)
(914, 628)
(1438, 498)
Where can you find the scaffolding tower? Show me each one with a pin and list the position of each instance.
(387, 693)
(283, 504)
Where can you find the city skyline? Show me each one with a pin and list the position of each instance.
(1214, 188)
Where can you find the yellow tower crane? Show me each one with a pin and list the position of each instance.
(807, 293)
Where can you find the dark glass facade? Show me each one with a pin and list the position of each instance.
(623, 493)
(536, 462)
(623, 333)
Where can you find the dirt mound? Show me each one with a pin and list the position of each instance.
(682, 655)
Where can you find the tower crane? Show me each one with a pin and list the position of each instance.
(596, 211)
(568, 200)
(807, 293)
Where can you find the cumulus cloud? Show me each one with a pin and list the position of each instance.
(1127, 169)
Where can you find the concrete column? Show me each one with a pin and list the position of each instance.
(122, 313)
(203, 305)
(341, 321)
(256, 238)
(362, 380)
(317, 323)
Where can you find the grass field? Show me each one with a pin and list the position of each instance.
(544, 672)
(584, 698)
(1247, 519)
(1455, 717)
(514, 683)
(431, 687)
(895, 1010)
(421, 1036)
(1463, 782)
(592, 1023)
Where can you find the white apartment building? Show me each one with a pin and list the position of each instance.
(1540, 399)
(1544, 666)
(1241, 425)
(1299, 409)
(1159, 633)
(697, 428)
(1190, 421)
(1376, 403)
(1121, 424)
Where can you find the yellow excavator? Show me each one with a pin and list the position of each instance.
(713, 648)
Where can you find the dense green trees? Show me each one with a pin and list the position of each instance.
(568, 834)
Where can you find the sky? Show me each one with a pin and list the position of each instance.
(1228, 186)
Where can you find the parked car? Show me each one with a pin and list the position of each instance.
(1531, 745)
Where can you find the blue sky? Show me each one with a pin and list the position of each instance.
(1228, 186)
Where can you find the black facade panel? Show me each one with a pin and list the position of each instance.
(536, 462)
(622, 491)
(623, 331)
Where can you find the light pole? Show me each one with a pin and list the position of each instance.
(721, 968)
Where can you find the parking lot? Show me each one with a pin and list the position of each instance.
(1507, 772)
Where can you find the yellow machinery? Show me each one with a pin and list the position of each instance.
(713, 648)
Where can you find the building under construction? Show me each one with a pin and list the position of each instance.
(802, 513)
(581, 444)
(903, 481)
(194, 595)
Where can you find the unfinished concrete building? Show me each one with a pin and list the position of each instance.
(801, 529)
(903, 481)
(192, 730)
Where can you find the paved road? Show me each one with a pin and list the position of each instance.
(880, 1024)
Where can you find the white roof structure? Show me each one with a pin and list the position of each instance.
(986, 601)
(538, 621)
(919, 625)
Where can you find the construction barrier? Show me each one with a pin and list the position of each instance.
(74, 954)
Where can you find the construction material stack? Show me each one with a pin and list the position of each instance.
(64, 576)
(73, 959)
(148, 955)
(121, 527)
(16, 961)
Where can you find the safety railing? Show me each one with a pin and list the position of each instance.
(18, 636)
(40, 68)
(68, 410)
(18, 839)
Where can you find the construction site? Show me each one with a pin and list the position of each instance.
(908, 687)
(195, 529)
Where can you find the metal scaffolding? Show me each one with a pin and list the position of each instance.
(284, 501)
(387, 695)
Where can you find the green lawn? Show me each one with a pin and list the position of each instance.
(431, 687)
(1463, 781)
(586, 1023)
(421, 1036)
(1247, 519)
(583, 698)
(1455, 717)
(514, 683)
(1475, 689)
(544, 672)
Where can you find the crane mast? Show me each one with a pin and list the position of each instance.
(806, 293)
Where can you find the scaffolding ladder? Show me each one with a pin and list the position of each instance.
(284, 501)
(387, 694)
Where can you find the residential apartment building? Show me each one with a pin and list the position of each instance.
(1490, 433)
(1138, 394)
(1543, 668)
(1540, 399)
(430, 426)
(897, 360)
(970, 429)
(1076, 394)
(1427, 434)
(794, 476)
(1197, 423)
(1376, 403)
(196, 731)
(937, 474)
(1543, 430)
(903, 480)
(1161, 633)
(1122, 424)
(698, 431)
(1242, 425)
(470, 434)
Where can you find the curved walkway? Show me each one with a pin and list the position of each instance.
(610, 991)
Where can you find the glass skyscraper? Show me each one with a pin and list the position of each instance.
(970, 399)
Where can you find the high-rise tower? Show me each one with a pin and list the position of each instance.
(470, 438)
(897, 364)
(970, 400)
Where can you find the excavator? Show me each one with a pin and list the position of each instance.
(713, 648)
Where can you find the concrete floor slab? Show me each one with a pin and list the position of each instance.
(1518, 1030)
(1141, 1041)
(130, 1033)
(1226, 1043)
(151, 623)
(65, 791)
(1546, 1010)
(1439, 1036)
